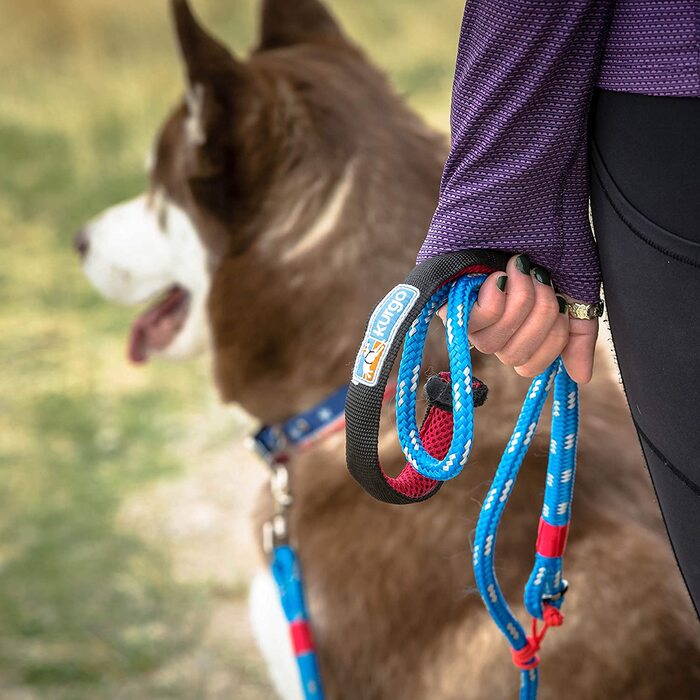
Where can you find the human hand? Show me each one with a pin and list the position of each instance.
(518, 317)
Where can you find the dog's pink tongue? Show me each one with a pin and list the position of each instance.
(156, 328)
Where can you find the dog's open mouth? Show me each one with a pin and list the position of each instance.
(157, 326)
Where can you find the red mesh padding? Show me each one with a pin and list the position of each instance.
(436, 434)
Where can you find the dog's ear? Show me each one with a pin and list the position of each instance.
(287, 22)
(205, 57)
(215, 78)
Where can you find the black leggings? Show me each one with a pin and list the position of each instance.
(645, 197)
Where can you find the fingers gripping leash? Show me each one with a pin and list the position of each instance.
(405, 314)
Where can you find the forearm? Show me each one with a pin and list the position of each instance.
(516, 176)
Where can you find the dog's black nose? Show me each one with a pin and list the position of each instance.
(81, 243)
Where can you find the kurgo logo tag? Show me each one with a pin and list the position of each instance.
(381, 330)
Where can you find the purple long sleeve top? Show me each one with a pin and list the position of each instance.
(516, 177)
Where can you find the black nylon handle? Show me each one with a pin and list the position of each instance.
(364, 400)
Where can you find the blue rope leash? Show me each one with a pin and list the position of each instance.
(460, 296)
(287, 574)
(545, 588)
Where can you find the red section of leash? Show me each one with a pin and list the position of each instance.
(302, 642)
(551, 539)
(527, 658)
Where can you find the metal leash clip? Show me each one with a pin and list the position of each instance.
(276, 530)
(547, 599)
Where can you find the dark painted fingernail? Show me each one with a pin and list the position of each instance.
(562, 304)
(501, 282)
(541, 275)
(523, 264)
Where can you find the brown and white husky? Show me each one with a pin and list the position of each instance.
(288, 192)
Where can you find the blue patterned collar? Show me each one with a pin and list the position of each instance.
(274, 442)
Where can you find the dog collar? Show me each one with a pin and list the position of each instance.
(274, 442)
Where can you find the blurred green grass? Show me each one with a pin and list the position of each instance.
(89, 609)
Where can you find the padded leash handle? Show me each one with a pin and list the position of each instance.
(391, 320)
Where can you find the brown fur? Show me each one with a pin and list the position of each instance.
(391, 593)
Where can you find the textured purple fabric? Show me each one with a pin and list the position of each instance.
(653, 48)
(516, 177)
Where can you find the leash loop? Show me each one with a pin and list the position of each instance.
(459, 285)
(460, 295)
(388, 325)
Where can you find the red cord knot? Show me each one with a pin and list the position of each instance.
(552, 617)
(527, 658)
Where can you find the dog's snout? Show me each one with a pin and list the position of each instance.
(81, 243)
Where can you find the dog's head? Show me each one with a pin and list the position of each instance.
(288, 192)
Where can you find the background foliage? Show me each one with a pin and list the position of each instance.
(93, 601)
